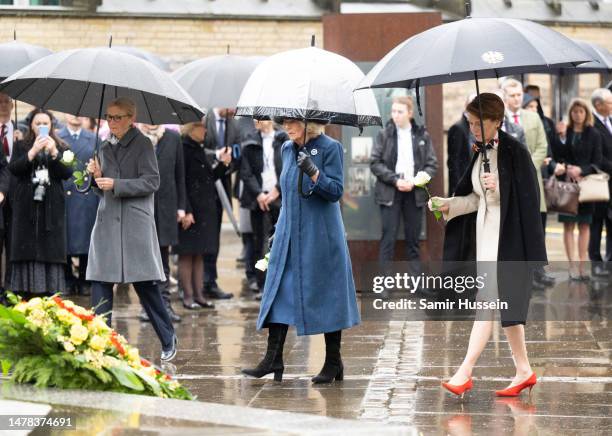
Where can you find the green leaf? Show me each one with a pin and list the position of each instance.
(437, 214)
(6, 366)
(151, 383)
(127, 378)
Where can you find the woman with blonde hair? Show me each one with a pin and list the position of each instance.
(309, 282)
(578, 150)
(197, 235)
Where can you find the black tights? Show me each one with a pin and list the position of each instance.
(191, 274)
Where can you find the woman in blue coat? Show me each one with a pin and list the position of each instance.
(309, 282)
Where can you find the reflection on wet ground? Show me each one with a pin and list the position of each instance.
(393, 370)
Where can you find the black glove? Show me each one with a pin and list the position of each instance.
(305, 163)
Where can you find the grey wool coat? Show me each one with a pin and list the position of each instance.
(124, 246)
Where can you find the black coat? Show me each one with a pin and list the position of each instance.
(201, 171)
(38, 229)
(384, 158)
(521, 237)
(585, 152)
(252, 166)
(171, 194)
(606, 148)
(459, 152)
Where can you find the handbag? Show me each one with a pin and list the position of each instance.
(594, 187)
(561, 196)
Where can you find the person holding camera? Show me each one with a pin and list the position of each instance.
(38, 231)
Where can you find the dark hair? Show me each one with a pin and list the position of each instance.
(532, 88)
(31, 136)
(492, 107)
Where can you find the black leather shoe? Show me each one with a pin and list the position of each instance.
(545, 279)
(216, 293)
(600, 271)
(538, 286)
(171, 313)
(143, 316)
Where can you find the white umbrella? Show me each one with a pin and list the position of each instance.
(309, 84)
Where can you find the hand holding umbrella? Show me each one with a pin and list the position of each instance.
(305, 163)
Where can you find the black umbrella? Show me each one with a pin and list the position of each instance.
(601, 64)
(81, 81)
(15, 55)
(474, 48)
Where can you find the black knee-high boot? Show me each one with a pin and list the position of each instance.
(333, 367)
(273, 360)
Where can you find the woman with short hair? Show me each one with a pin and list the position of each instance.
(124, 246)
(494, 219)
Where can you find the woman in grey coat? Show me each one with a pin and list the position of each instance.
(124, 246)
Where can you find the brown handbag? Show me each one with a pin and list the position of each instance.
(561, 196)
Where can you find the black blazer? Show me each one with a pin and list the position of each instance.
(384, 158)
(606, 148)
(459, 152)
(585, 152)
(171, 194)
(252, 165)
(521, 237)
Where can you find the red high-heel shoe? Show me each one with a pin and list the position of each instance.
(459, 389)
(514, 391)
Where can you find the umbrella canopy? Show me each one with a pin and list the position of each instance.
(143, 54)
(602, 61)
(491, 47)
(83, 81)
(311, 84)
(217, 81)
(15, 55)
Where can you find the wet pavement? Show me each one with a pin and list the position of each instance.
(393, 371)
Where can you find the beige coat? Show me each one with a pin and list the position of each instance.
(535, 136)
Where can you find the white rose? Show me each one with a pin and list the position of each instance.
(262, 264)
(68, 157)
(421, 179)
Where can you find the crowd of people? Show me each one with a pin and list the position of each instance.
(156, 195)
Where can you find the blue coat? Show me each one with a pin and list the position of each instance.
(80, 208)
(324, 290)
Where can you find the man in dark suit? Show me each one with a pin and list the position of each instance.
(401, 150)
(459, 149)
(260, 173)
(601, 99)
(81, 208)
(169, 200)
(221, 132)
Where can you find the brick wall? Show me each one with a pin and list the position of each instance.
(178, 40)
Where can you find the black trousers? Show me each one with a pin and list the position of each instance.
(600, 218)
(210, 260)
(262, 223)
(164, 287)
(151, 300)
(404, 206)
